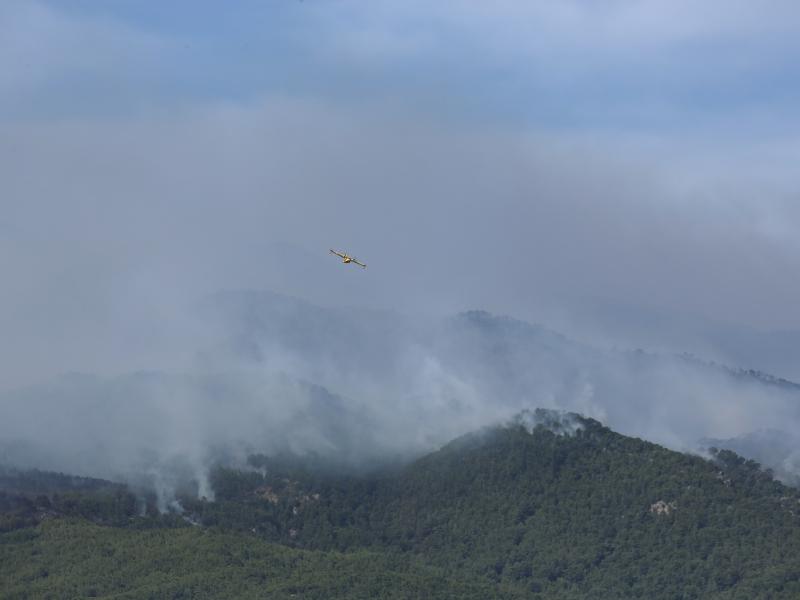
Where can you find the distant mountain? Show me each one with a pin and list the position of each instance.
(775, 449)
(670, 331)
(255, 323)
(17, 481)
(461, 369)
(364, 388)
(550, 505)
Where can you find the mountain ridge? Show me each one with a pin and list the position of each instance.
(281, 374)
(549, 504)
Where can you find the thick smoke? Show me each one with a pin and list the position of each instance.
(536, 159)
(358, 388)
(773, 448)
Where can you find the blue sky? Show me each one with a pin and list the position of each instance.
(615, 65)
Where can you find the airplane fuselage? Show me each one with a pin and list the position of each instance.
(346, 259)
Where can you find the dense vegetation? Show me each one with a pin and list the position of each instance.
(76, 559)
(564, 508)
(29, 497)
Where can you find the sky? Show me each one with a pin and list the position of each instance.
(624, 171)
(621, 172)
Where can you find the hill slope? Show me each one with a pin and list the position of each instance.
(75, 559)
(550, 506)
(278, 374)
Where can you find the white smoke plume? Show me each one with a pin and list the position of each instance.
(359, 388)
(545, 160)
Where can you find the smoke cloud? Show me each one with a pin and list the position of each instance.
(360, 388)
(623, 174)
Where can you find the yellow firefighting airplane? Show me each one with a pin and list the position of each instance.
(348, 259)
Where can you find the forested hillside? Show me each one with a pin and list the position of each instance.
(76, 559)
(550, 506)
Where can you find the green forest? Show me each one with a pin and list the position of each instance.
(554, 511)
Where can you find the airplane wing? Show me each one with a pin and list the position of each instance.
(336, 253)
(360, 264)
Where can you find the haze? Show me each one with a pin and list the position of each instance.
(623, 172)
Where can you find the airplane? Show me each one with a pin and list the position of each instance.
(348, 259)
